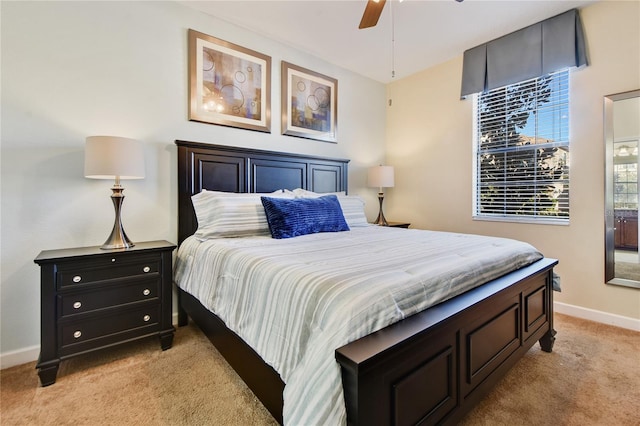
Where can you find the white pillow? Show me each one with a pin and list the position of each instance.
(352, 206)
(303, 193)
(353, 210)
(230, 214)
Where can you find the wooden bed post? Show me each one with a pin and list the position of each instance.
(183, 317)
(547, 341)
(549, 338)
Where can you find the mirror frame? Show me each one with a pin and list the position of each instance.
(609, 236)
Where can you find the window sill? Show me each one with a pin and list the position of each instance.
(561, 222)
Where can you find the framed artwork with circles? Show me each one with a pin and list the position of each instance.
(229, 85)
(309, 104)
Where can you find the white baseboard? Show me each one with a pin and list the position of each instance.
(597, 316)
(23, 356)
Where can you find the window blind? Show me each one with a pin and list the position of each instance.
(522, 150)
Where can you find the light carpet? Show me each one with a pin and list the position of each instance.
(591, 378)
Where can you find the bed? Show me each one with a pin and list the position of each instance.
(429, 367)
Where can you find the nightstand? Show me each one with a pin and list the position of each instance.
(399, 224)
(92, 298)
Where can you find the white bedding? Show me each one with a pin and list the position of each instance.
(296, 300)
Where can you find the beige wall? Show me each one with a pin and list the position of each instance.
(429, 141)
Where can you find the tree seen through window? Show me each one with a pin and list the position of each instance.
(522, 149)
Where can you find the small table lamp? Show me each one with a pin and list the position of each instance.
(112, 157)
(380, 177)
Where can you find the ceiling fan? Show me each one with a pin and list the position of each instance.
(372, 13)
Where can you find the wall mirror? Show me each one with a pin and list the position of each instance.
(622, 167)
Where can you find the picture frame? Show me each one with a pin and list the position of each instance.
(309, 104)
(229, 85)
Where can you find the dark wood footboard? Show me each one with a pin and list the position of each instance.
(430, 368)
(436, 365)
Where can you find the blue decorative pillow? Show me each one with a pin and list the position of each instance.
(289, 218)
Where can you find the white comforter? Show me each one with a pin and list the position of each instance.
(296, 300)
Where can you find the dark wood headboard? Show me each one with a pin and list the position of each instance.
(231, 169)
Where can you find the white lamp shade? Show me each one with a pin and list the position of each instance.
(110, 157)
(380, 177)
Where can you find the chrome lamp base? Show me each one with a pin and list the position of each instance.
(380, 220)
(118, 238)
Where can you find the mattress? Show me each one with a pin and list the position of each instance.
(296, 300)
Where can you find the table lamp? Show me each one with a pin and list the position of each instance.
(112, 157)
(380, 177)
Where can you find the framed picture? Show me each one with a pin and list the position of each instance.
(228, 84)
(309, 104)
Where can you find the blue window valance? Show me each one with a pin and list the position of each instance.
(536, 50)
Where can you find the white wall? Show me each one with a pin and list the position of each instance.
(75, 69)
(429, 140)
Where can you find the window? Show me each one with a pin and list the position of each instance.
(625, 175)
(522, 151)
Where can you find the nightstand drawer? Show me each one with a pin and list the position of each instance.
(106, 269)
(108, 296)
(104, 326)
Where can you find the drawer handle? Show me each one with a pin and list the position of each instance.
(77, 305)
(146, 318)
(77, 334)
(146, 269)
(77, 279)
(146, 292)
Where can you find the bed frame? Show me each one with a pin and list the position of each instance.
(430, 368)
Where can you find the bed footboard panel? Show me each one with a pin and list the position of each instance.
(435, 366)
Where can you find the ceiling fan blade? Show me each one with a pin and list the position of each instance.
(372, 13)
